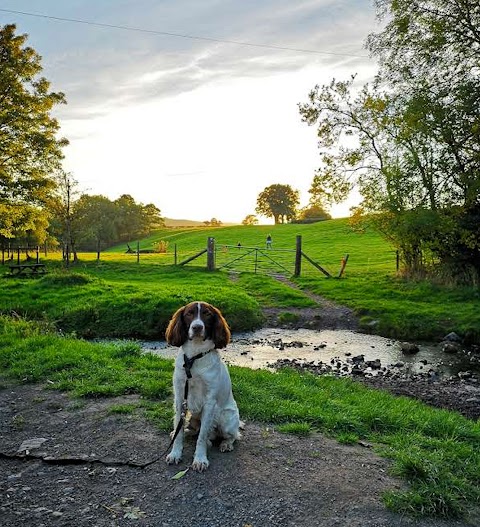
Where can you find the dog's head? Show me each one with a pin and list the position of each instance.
(198, 321)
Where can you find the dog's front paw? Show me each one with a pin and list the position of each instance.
(174, 458)
(226, 445)
(200, 464)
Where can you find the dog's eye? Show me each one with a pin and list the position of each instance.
(207, 313)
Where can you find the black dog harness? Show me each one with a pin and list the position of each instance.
(188, 365)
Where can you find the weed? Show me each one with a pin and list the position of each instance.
(18, 422)
(122, 408)
(299, 429)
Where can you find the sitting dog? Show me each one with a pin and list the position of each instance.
(200, 329)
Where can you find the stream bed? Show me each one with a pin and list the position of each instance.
(342, 352)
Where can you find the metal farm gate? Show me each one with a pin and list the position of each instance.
(239, 258)
(255, 260)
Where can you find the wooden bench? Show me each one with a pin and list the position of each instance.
(35, 269)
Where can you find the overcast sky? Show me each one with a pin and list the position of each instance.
(197, 126)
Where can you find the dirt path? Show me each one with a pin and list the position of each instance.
(85, 470)
(326, 315)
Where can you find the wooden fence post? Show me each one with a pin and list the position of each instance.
(298, 256)
(175, 254)
(211, 253)
(138, 252)
(342, 266)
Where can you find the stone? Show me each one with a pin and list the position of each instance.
(408, 348)
(451, 347)
(452, 337)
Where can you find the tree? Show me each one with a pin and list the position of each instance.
(152, 218)
(213, 223)
(61, 208)
(411, 141)
(312, 213)
(29, 148)
(250, 219)
(278, 201)
(427, 39)
(129, 218)
(94, 222)
(429, 53)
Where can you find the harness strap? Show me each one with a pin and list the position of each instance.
(187, 364)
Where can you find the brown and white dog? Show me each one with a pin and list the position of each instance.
(200, 329)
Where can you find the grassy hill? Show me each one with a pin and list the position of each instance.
(125, 296)
(170, 222)
(325, 242)
(386, 303)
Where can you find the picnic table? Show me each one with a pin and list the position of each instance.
(33, 269)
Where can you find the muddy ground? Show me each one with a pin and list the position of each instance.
(70, 462)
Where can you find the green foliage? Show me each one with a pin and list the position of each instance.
(410, 142)
(278, 201)
(29, 147)
(313, 213)
(250, 219)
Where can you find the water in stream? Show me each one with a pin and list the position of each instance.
(263, 347)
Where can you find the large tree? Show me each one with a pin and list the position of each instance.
(411, 140)
(30, 150)
(278, 201)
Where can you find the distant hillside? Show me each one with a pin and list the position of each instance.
(170, 222)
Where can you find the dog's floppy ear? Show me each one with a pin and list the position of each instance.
(177, 333)
(221, 331)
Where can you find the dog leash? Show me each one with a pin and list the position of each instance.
(188, 365)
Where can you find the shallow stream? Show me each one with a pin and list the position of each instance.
(262, 348)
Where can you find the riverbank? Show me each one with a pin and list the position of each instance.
(459, 391)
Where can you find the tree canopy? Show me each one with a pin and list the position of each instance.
(95, 222)
(410, 141)
(278, 201)
(29, 148)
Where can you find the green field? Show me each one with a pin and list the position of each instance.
(326, 243)
(119, 296)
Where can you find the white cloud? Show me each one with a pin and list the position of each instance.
(142, 107)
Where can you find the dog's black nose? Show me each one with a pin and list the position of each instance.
(197, 329)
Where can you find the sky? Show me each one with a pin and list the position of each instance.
(198, 126)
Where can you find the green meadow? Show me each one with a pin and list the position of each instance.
(41, 320)
(120, 296)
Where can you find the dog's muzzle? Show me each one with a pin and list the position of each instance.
(197, 330)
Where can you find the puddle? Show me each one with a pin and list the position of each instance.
(262, 348)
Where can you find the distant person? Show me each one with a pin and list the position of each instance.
(239, 245)
(269, 242)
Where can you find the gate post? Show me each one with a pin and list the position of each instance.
(211, 253)
(298, 256)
